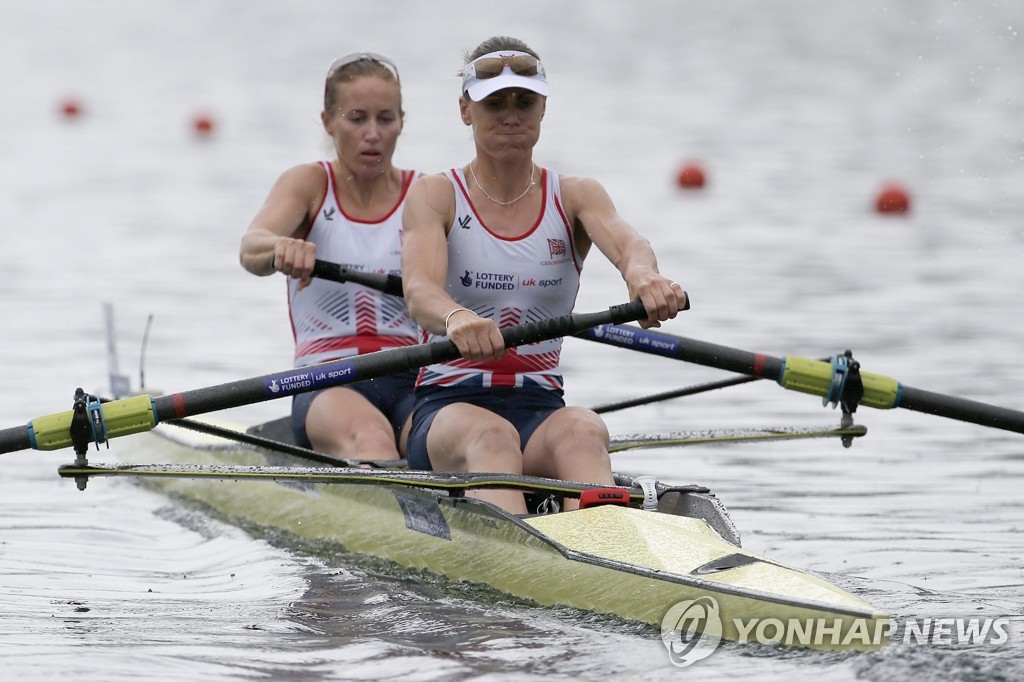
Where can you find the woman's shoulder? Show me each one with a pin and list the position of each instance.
(433, 182)
(576, 188)
(574, 181)
(438, 175)
(313, 169)
(312, 174)
(434, 194)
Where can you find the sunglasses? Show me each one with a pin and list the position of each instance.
(493, 66)
(353, 57)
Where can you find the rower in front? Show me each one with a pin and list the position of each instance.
(497, 242)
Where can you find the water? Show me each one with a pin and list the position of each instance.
(799, 111)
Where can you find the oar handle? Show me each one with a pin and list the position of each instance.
(388, 284)
(567, 325)
(142, 413)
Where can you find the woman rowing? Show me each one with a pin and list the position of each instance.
(497, 242)
(347, 210)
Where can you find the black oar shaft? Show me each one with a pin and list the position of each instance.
(690, 350)
(369, 366)
(810, 376)
(668, 395)
(807, 376)
(302, 380)
(141, 413)
(962, 409)
(15, 439)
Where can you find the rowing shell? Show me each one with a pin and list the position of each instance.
(609, 559)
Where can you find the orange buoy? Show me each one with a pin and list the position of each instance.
(70, 108)
(892, 199)
(691, 176)
(203, 125)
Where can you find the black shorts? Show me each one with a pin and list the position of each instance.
(391, 394)
(525, 407)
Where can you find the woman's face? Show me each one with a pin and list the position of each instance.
(365, 124)
(505, 122)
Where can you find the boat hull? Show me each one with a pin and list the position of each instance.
(608, 559)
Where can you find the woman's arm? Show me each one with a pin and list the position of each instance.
(271, 243)
(594, 214)
(429, 210)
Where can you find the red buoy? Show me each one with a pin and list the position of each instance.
(691, 176)
(203, 125)
(892, 199)
(70, 108)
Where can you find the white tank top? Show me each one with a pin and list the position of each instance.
(332, 320)
(511, 281)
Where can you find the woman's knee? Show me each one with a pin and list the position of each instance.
(572, 444)
(474, 442)
(496, 434)
(582, 429)
(344, 423)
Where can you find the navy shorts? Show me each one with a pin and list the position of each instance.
(391, 394)
(525, 407)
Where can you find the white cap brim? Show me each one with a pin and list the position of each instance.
(477, 89)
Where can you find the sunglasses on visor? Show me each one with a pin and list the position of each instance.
(492, 67)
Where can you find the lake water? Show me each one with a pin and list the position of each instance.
(799, 113)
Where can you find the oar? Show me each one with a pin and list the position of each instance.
(676, 393)
(669, 395)
(838, 381)
(389, 284)
(392, 284)
(266, 443)
(93, 421)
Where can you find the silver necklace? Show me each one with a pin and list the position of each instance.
(502, 203)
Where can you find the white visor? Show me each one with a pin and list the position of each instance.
(479, 88)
